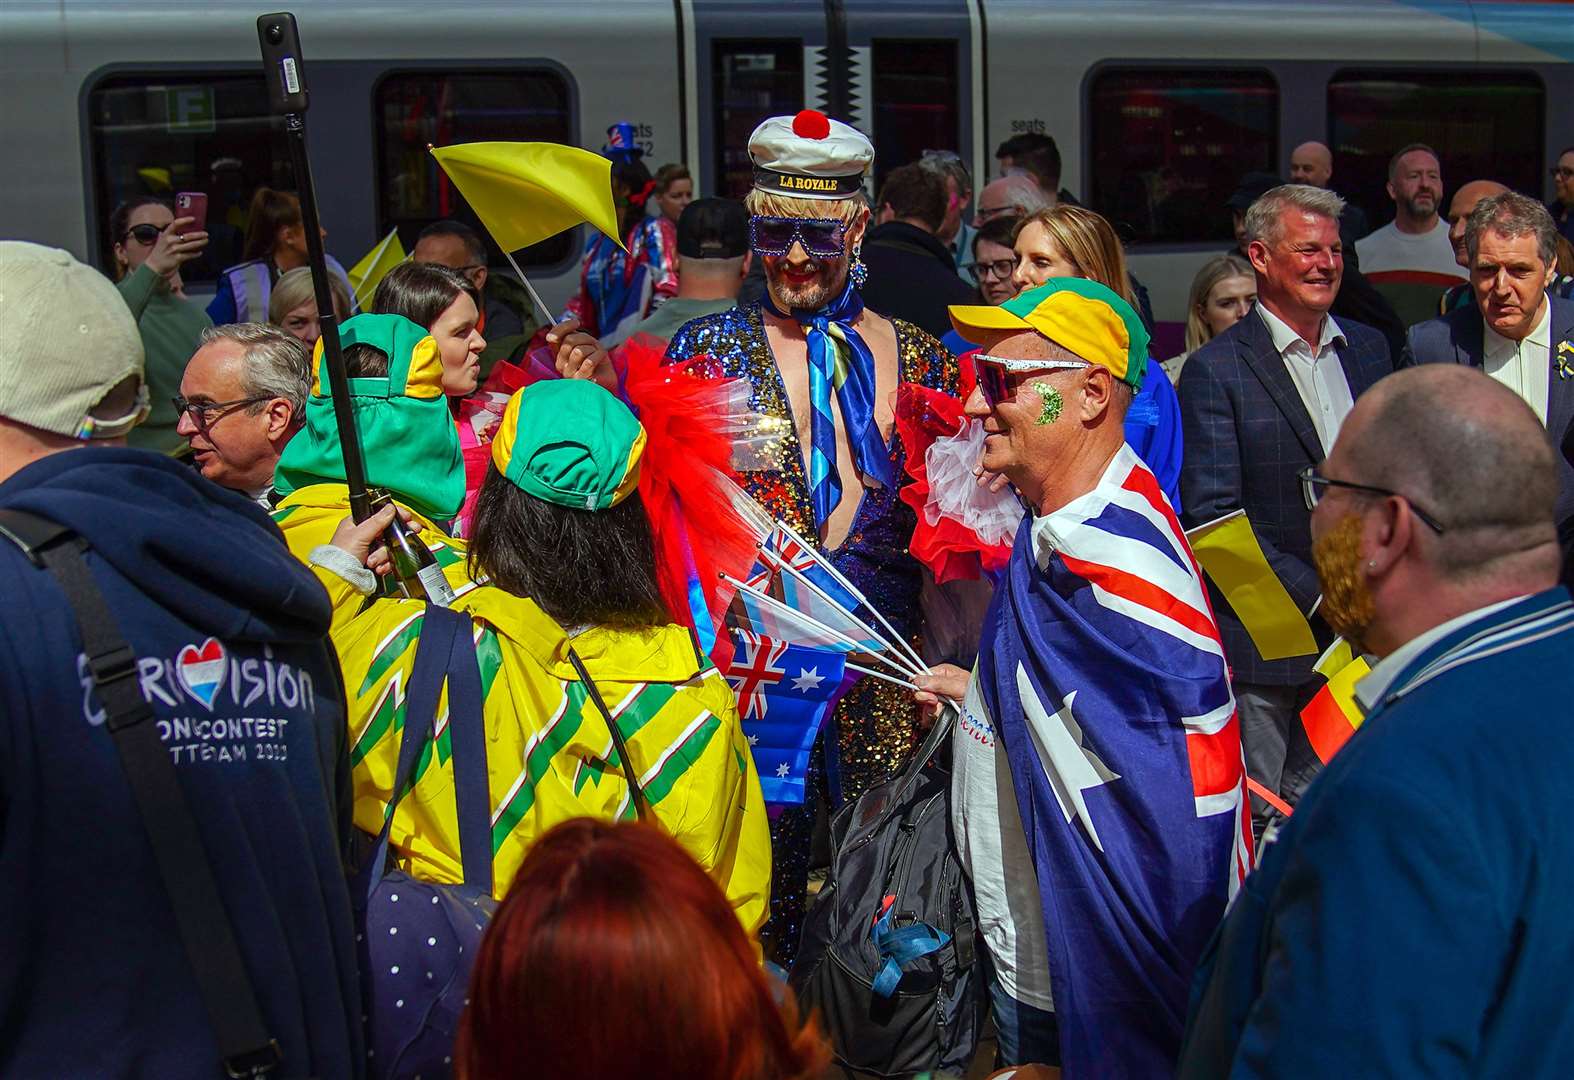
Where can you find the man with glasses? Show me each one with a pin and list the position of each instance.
(506, 318)
(1411, 917)
(223, 668)
(824, 370)
(241, 400)
(1097, 790)
(1258, 403)
(1010, 196)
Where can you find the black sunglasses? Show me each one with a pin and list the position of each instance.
(1312, 486)
(144, 234)
(820, 237)
(205, 414)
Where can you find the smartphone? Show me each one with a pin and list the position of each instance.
(192, 204)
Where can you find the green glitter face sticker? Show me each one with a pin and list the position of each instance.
(1051, 403)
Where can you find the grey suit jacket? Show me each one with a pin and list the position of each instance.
(1247, 435)
(1459, 338)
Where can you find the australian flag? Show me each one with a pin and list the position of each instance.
(1102, 669)
(784, 693)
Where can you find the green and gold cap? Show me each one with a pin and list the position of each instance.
(570, 442)
(1082, 316)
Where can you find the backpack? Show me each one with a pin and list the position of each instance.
(888, 959)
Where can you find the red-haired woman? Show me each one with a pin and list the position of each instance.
(614, 954)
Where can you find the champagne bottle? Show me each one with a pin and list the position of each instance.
(415, 570)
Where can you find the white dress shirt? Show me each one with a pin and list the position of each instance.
(1317, 374)
(1523, 366)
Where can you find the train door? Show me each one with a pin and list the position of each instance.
(742, 63)
(913, 79)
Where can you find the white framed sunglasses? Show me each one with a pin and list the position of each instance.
(994, 373)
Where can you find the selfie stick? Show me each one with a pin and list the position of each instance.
(285, 73)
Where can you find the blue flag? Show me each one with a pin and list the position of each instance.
(1102, 671)
(784, 693)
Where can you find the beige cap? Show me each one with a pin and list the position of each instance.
(66, 339)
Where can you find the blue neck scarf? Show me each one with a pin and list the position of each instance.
(850, 372)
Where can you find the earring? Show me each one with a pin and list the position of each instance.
(859, 273)
(1371, 564)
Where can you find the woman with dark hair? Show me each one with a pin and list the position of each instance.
(149, 248)
(617, 288)
(562, 562)
(449, 306)
(613, 955)
(275, 242)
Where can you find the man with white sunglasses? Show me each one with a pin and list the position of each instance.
(1098, 788)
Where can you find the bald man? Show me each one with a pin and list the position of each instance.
(1459, 208)
(1411, 919)
(1313, 163)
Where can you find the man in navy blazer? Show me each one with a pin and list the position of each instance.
(1516, 331)
(1259, 403)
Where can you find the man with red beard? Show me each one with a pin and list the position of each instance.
(825, 369)
(1260, 402)
(1411, 918)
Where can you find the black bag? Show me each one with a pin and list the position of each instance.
(888, 960)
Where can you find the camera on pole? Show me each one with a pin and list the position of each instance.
(285, 72)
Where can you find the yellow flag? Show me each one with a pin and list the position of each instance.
(524, 192)
(367, 274)
(1230, 553)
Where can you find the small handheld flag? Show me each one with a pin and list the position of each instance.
(1228, 550)
(525, 192)
(367, 274)
(1333, 715)
(784, 693)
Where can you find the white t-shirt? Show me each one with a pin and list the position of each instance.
(993, 850)
(1388, 250)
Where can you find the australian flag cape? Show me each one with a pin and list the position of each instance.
(1102, 668)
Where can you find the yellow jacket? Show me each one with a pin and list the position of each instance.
(549, 752)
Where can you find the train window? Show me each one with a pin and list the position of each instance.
(752, 80)
(415, 109)
(152, 134)
(914, 100)
(1487, 125)
(1168, 145)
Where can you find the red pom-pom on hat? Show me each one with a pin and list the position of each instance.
(811, 124)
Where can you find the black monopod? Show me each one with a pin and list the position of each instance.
(285, 72)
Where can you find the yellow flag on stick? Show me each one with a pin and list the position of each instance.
(367, 274)
(1232, 557)
(525, 192)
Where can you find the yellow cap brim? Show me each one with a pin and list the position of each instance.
(972, 320)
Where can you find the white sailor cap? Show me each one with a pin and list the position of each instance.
(809, 156)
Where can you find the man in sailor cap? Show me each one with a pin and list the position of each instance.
(824, 371)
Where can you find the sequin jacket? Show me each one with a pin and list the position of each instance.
(874, 554)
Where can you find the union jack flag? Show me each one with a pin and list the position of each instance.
(1102, 670)
(753, 670)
